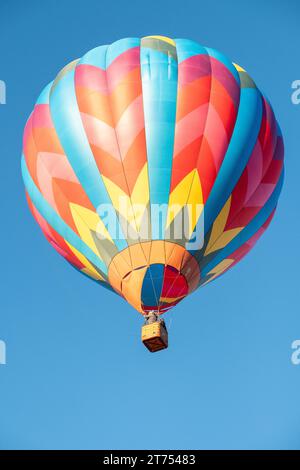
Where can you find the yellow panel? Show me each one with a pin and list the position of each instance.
(239, 68)
(217, 270)
(162, 38)
(89, 268)
(91, 274)
(223, 240)
(195, 202)
(121, 202)
(169, 300)
(188, 190)
(140, 195)
(219, 225)
(85, 221)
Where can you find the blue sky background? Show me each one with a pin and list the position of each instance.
(77, 375)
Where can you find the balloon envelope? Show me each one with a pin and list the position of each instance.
(152, 165)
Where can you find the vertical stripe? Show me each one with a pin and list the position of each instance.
(159, 84)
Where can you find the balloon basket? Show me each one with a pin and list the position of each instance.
(155, 336)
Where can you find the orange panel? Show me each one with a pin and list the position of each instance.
(158, 254)
(132, 286)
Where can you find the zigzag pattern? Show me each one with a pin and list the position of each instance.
(146, 122)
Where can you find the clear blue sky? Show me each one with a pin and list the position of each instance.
(77, 375)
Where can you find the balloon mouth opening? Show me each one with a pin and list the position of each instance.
(153, 276)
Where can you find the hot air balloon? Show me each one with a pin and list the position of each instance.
(153, 166)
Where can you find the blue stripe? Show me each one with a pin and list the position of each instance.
(95, 57)
(56, 221)
(249, 230)
(159, 83)
(225, 61)
(44, 96)
(186, 49)
(119, 47)
(68, 125)
(152, 285)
